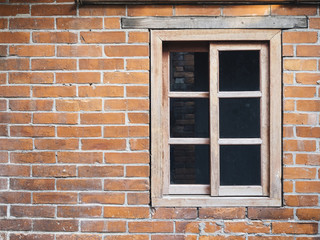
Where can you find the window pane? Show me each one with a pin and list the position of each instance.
(239, 117)
(189, 71)
(189, 117)
(240, 165)
(239, 71)
(189, 164)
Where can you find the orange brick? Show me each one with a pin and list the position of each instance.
(174, 213)
(102, 118)
(126, 131)
(3, 130)
(116, 105)
(54, 37)
(139, 144)
(101, 91)
(53, 10)
(16, 144)
(14, 64)
(32, 131)
(14, 37)
(314, 23)
(54, 64)
(244, 227)
(137, 64)
(54, 91)
(56, 144)
(153, 10)
(14, 170)
(138, 198)
(3, 51)
(127, 104)
(300, 37)
(102, 198)
(307, 78)
(126, 51)
(126, 185)
(55, 118)
(270, 213)
(194, 227)
(101, 64)
(19, 118)
(127, 237)
(3, 105)
(299, 118)
(105, 11)
(33, 211)
(103, 144)
(79, 211)
(79, 184)
(79, 23)
(308, 159)
(79, 51)
(287, 51)
(79, 105)
(294, 228)
(14, 91)
(80, 157)
(307, 187)
(55, 198)
(78, 236)
(308, 51)
(126, 212)
(308, 132)
(126, 77)
(299, 145)
(127, 158)
(287, 186)
(150, 227)
(103, 37)
(300, 65)
(308, 214)
(202, 10)
(100, 171)
(78, 77)
(137, 91)
(112, 23)
(139, 37)
(288, 78)
(138, 117)
(288, 132)
(33, 157)
(13, 10)
(15, 197)
(32, 23)
(79, 131)
(32, 184)
(292, 10)
(300, 200)
(137, 171)
(300, 92)
(222, 213)
(30, 77)
(54, 171)
(270, 238)
(251, 10)
(289, 105)
(103, 226)
(308, 105)
(55, 225)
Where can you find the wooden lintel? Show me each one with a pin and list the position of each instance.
(271, 22)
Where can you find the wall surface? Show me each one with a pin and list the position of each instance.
(74, 127)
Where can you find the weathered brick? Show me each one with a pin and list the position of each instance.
(102, 198)
(14, 63)
(270, 213)
(102, 118)
(127, 184)
(201, 10)
(174, 213)
(98, 11)
(79, 105)
(54, 171)
(32, 184)
(16, 144)
(54, 198)
(103, 226)
(223, 213)
(18, 118)
(79, 131)
(308, 214)
(299, 118)
(138, 198)
(150, 227)
(55, 225)
(14, 37)
(31, 105)
(32, 51)
(103, 144)
(13, 10)
(101, 64)
(293, 10)
(20, 236)
(54, 37)
(299, 173)
(14, 91)
(294, 228)
(56, 144)
(15, 197)
(308, 159)
(3, 157)
(55, 118)
(102, 37)
(245, 227)
(301, 200)
(299, 145)
(307, 78)
(78, 77)
(152, 10)
(79, 211)
(251, 10)
(15, 224)
(31, 23)
(308, 186)
(53, 10)
(32, 131)
(80, 157)
(126, 212)
(100, 171)
(33, 211)
(79, 23)
(300, 64)
(79, 184)
(195, 226)
(30, 77)
(54, 64)
(78, 237)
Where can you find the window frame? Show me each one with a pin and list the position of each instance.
(222, 39)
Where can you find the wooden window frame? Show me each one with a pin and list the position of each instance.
(268, 42)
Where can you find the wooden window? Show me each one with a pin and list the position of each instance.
(216, 117)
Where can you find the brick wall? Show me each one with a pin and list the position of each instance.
(74, 126)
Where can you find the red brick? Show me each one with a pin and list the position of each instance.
(56, 144)
(126, 131)
(54, 171)
(54, 64)
(126, 185)
(222, 213)
(78, 237)
(308, 51)
(152, 10)
(138, 198)
(126, 77)
(30, 105)
(32, 131)
(300, 37)
(103, 37)
(33, 211)
(194, 227)
(138, 117)
(294, 228)
(150, 227)
(127, 51)
(199, 10)
(20, 236)
(18, 118)
(3, 23)
(138, 64)
(308, 159)
(32, 184)
(14, 91)
(103, 226)
(308, 105)
(3, 105)
(251, 10)
(79, 131)
(307, 78)
(299, 118)
(80, 157)
(78, 77)
(300, 200)
(270, 238)
(137, 91)
(4, 157)
(102, 118)
(54, 91)
(53, 10)
(16, 144)
(127, 158)
(270, 213)
(126, 104)
(300, 92)
(79, 51)
(32, 51)
(101, 91)
(79, 211)
(55, 118)
(102, 198)
(139, 144)
(79, 23)
(101, 64)
(308, 132)
(3, 130)
(139, 37)
(3, 50)
(293, 10)
(245, 227)
(174, 213)
(308, 214)
(31, 23)
(15, 197)
(98, 11)
(55, 225)
(3, 212)
(14, 37)
(299, 145)
(100, 171)
(54, 37)
(13, 10)
(308, 187)
(126, 212)
(79, 105)
(112, 23)
(299, 173)
(103, 144)
(314, 23)
(127, 237)
(137, 171)
(15, 225)
(30, 77)
(79, 184)
(14, 64)
(54, 198)
(234, 238)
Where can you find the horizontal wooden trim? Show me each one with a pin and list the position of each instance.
(271, 22)
(239, 2)
(189, 189)
(240, 94)
(189, 141)
(240, 191)
(188, 94)
(240, 141)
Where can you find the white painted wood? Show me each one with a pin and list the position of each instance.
(189, 141)
(240, 94)
(240, 141)
(240, 191)
(189, 189)
(189, 94)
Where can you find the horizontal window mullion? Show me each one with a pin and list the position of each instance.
(240, 94)
(188, 94)
(189, 141)
(239, 141)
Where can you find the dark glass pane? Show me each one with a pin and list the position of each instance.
(189, 71)
(239, 117)
(240, 165)
(189, 164)
(239, 71)
(189, 117)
